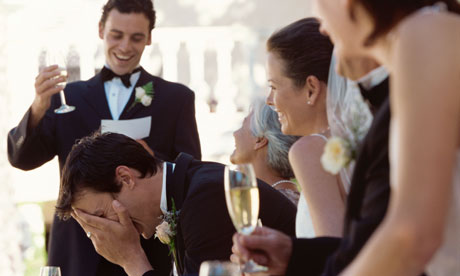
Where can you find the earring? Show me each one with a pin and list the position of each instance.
(309, 102)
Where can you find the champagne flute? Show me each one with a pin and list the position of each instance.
(58, 57)
(50, 271)
(242, 197)
(218, 268)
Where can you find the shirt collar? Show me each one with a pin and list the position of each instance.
(373, 78)
(164, 201)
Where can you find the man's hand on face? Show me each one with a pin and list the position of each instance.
(117, 241)
(266, 247)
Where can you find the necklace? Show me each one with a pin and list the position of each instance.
(281, 181)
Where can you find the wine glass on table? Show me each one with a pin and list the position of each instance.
(242, 197)
(50, 271)
(59, 58)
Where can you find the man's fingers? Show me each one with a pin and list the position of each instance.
(46, 75)
(234, 259)
(122, 213)
(87, 228)
(238, 248)
(94, 221)
(43, 87)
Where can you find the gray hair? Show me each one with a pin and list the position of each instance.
(265, 123)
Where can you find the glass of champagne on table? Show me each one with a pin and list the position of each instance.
(242, 197)
(58, 57)
(50, 271)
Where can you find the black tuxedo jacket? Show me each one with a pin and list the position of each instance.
(367, 201)
(205, 229)
(173, 130)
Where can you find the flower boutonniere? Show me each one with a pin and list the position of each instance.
(350, 129)
(167, 230)
(144, 95)
(337, 155)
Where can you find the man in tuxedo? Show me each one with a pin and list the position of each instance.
(169, 117)
(116, 190)
(366, 204)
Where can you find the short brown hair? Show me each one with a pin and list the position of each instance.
(91, 165)
(130, 6)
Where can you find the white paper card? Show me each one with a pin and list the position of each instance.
(135, 128)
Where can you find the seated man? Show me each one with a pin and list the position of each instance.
(116, 190)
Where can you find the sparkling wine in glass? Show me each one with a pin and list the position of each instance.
(58, 57)
(242, 197)
(50, 271)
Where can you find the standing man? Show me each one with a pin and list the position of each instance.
(125, 29)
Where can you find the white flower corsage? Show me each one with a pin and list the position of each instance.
(337, 155)
(167, 230)
(144, 95)
(352, 126)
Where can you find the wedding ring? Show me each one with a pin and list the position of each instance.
(88, 234)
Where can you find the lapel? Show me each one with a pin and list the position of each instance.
(378, 130)
(96, 98)
(176, 188)
(129, 112)
(380, 106)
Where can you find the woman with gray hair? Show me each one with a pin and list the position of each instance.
(260, 142)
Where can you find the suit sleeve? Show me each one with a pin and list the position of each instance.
(187, 138)
(30, 148)
(309, 255)
(206, 227)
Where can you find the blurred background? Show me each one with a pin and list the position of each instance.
(217, 48)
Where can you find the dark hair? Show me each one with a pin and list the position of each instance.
(303, 49)
(92, 162)
(130, 6)
(387, 13)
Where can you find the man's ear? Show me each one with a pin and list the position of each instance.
(101, 30)
(124, 175)
(313, 86)
(149, 39)
(261, 142)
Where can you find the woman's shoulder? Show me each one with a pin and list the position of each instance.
(307, 149)
(435, 27)
(434, 36)
(310, 142)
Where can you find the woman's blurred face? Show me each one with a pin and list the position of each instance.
(347, 35)
(289, 101)
(244, 143)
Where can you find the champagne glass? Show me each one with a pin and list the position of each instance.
(58, 57)
(50, 271)
(242, 197)
(218, 268)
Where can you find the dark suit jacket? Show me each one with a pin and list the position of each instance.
(367, 201)
(205, 229)
(173, 130)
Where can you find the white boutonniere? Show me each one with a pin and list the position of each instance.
(144, 95)
(337, 155)
(167, 230)
(342, 148)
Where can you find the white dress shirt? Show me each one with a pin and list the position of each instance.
(118, 95)
(373, 78)
(164, 201)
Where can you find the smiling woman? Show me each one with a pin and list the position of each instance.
(298, 66)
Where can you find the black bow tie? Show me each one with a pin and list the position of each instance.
(107, 74)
